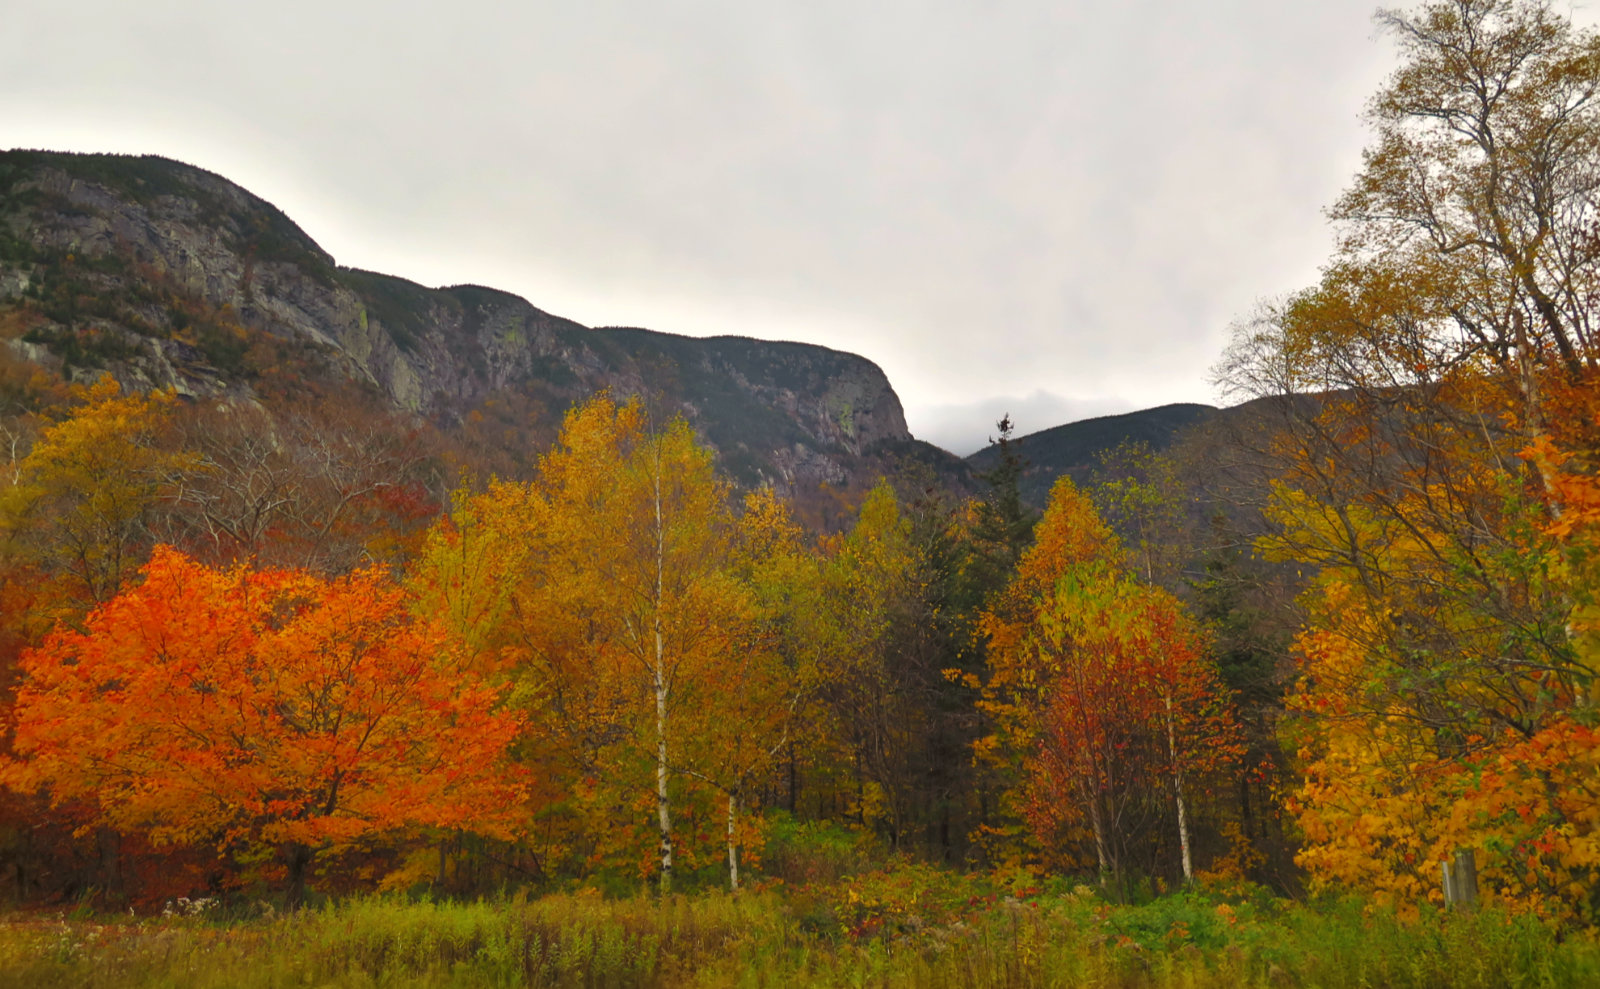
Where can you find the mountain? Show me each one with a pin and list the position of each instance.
(166, 275)
(1073, 448)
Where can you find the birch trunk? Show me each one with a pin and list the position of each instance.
(1177, 795)
(663, 798)
(733, 846)
(1102, 850)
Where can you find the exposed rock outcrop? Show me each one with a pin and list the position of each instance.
(169, 276)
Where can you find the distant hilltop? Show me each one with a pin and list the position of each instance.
(1073, 448)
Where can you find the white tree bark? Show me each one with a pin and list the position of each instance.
(663, 798)
(733, 845)
(660, 682)
(1177, 795)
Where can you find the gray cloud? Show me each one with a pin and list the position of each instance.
(1038, 197)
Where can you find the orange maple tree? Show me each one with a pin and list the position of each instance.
(1101, 689)
(1134, 708)
(272, 708)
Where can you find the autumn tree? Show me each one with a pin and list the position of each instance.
(872, 587)
(1479, 193)
(1467, 237)
(1002, 524)
(1467, 250)
(612, 584)
(1101, 688)
(1069, 534)
(1134, 708)
(1455, 315)
(81, 503)
(1432, 724)
(328, 486)
(638, 537)
(240, 708)
(1140, 495)
(743, 724)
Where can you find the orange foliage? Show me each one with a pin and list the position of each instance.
(1099, 686)
(1135, 709)
(1412, 754)
(238, 708)
(1069, 535)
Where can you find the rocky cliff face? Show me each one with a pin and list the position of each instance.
(169, 276)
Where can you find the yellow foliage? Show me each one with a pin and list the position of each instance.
(629, 602)
(79, 509)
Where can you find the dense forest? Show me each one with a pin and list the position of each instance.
(286, 651)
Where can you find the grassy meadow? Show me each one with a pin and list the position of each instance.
(897, 925)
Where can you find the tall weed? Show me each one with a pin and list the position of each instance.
(906, 926)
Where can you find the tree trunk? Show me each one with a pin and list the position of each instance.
(1102, 849)
(297, 857)
(108, 845)
(663, 799)
(733, 845)
(1177, 795)
(794, 781)
(861, 792)
(659, 675)
(1246, 812)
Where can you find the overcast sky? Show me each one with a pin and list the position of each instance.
(1051, 207)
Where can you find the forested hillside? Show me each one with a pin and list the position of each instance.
(1076, 448)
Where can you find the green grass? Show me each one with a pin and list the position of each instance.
(907, 926)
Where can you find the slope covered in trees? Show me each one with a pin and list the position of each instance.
(1073, 449)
